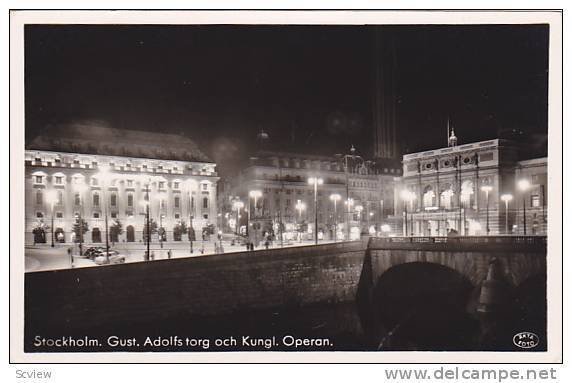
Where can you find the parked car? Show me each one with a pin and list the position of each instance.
(92, 252)
(113, 258)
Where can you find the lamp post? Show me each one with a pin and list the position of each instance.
(359, 209)
(51, 198)
(237, 205)
(487, 189)
(300, 206)
(524, 185)
(104, 175)
(252, 194)
(146, 204)
(335, 198)
(349, 203)
(315, 181)
(80, 189)
(191, 210)
(506, 198)
(407, 197)
(161, 199)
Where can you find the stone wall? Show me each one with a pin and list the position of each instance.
(199, 286)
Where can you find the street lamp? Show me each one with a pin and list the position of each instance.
(51, 198)
(300, 206)
(237, 205)
(524, 185)
(104, 175)
(160, 198)
(407, 197)
(349, 203)
(80, 188)
(252, 194)
(359, 209)
(487, 189)
(506, 198)
(315, 182)
(335, 198)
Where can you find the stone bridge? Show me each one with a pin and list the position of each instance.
(59, 301)
(518, 258)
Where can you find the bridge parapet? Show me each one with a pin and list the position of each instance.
(532, 244)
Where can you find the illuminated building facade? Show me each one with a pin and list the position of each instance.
(478, 188)
(87, 171)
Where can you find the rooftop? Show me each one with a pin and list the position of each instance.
(96, 138)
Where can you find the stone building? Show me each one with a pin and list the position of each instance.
(447, 189)
(91, 171)
(287, 197)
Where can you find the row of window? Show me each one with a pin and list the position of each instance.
(59, 215)
(112, 200)
(59, 180)
(112, 165)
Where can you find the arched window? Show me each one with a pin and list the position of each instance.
(428, 197)
(447, 198)
(467, 193)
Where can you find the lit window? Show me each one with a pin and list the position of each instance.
(535, 200)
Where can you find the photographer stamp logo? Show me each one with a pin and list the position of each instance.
(525, 339)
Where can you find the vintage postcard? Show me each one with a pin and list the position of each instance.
(294, 186)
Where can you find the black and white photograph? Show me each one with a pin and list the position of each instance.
(373, 186)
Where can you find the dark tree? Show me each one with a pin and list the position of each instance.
(76, 229)
(115, 230)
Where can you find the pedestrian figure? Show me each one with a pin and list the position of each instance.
(70, 255)
(169, 254)
(152, 255)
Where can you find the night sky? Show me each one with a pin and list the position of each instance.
(309, 87)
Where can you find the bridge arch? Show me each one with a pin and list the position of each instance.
(424, 305)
